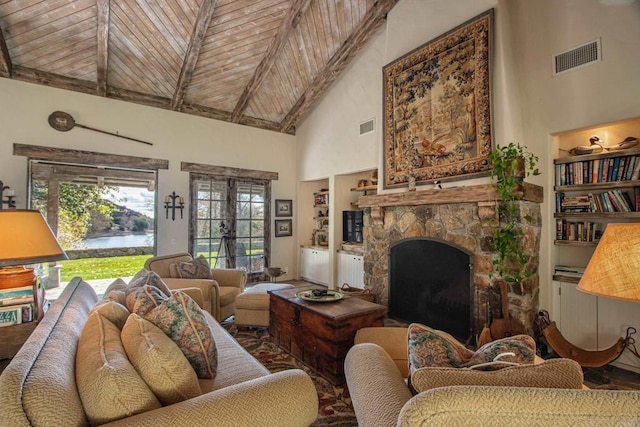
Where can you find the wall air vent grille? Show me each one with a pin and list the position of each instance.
(577, 57)
(366, 127)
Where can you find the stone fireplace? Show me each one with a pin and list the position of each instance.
(464, 217)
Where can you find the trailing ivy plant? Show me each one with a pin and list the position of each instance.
(509, 165)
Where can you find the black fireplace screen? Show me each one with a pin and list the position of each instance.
(430, 283)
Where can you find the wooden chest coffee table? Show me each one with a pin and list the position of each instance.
(320, 333)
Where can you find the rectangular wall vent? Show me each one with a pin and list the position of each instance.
(577, 57)
(366, 127)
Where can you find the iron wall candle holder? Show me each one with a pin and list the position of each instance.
(173, 202)
(9, 199)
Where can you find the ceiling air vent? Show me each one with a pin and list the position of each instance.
(577, 57)
(366, 127)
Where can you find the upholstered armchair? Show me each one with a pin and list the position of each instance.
(219, 294)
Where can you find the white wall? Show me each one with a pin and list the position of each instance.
(176, 137)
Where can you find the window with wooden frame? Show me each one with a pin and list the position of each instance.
(230, 219)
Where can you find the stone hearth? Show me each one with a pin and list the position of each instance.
(463, 216)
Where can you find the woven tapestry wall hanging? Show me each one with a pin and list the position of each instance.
(437, 112)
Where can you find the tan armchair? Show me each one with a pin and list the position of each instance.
(219, 295)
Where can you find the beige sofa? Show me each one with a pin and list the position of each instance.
(219, 294)
(39, 385)
(381, 397)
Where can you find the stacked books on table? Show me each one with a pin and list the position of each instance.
(568, 273)
(17, 305)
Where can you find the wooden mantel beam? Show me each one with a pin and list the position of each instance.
(470, 194)
(5, 59)
(365, 30)
(104, 10)
(193, 51)
(290, 23)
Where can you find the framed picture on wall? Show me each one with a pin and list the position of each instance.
(284, 207)
(283, 227)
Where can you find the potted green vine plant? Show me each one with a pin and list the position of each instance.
(509, 165)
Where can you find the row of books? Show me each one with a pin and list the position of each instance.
(578, 231)
(607, 201)
(623, 168)
(568, 273)
(17, 305)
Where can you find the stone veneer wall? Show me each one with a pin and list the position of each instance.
(467, 225)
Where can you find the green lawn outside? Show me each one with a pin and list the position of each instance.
(102, 268)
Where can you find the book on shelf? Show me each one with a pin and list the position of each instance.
(16, 292)
(10, 315)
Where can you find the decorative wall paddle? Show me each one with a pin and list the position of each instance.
(59, 120)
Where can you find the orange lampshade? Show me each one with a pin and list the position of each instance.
(614, 268)
(25, 238)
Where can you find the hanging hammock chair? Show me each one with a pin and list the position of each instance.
(586, 358)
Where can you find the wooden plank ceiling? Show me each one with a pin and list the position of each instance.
(262, 63)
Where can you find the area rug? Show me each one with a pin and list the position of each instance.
(335, 405)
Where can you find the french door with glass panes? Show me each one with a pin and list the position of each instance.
(230, 222)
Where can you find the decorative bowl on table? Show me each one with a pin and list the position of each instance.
(320, 295)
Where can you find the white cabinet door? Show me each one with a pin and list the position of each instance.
(314, 265)
(577, 318)
(322, 266)
(350, 270)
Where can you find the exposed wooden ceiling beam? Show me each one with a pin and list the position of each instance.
(5, 59)
(290, 22)
(358, 38)
(53, 80)
(104, 10)
(191, 57)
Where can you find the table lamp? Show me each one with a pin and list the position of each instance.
(25, 238)
(613, 270)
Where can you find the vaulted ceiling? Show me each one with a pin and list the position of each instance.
(262, 63)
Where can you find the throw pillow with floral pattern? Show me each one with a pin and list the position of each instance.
(183, 321)
(144, 299)
(147, 277)
(197, 268)
(433, 348)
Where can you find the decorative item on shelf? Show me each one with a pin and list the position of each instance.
(362, 183)
(509, 165)
(7, 199)
(170, 204)
(612, 272)
(596, 145)
(25, 238)
(374, 177)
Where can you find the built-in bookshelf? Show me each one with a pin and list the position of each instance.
(592, 190)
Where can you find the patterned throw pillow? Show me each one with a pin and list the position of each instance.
(432, 348)
(144, 299)
(184, 322)
(147, 277)
(159, 361)
(197, 268)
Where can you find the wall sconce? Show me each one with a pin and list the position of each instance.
(170, 204)
(9, 199)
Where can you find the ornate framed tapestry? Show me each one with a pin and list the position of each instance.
(437, 111)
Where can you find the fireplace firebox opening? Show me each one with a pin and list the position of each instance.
(430, 282)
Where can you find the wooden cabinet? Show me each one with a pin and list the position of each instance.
(350, 270)
(314, 265)
(320, 334)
